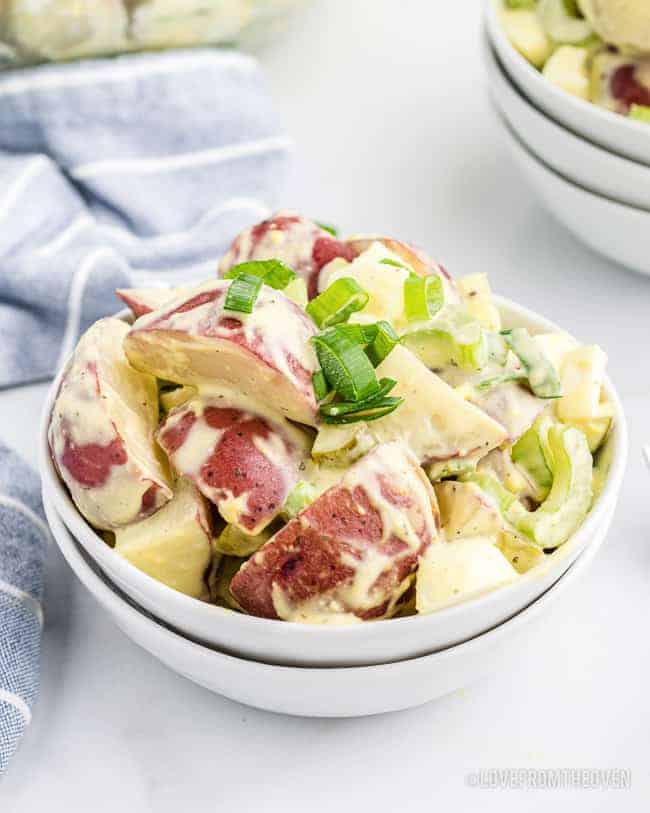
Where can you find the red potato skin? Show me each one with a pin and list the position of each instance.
(235, 465)
(306, 248)
(305, 561)
(626, 88)
(137, 306)
(88, 467)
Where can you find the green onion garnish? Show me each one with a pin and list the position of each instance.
(344, 407)
(273, 272)
(242, 293)
(345, 365)
(423, 297)
(329, 229)
(372, 412)
(337, 303)
(396, 263)
(320, 385)
(382, 343)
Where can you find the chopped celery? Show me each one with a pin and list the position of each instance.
(543, 378)
(528, 452)
(571, 494)
(452, 337)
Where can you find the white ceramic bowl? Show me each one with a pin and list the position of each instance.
(342, 692)
(592, 167)
(363, 644)
(614, 132)
(617, 230)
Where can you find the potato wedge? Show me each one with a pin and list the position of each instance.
(240, 457)
(193, 340)
(174, 545)
(351, 553)
(101, 432)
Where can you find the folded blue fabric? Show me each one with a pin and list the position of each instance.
(134, 171)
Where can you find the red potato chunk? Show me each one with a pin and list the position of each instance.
(101, 432)
(351, 553)
(194, 340)
(298, 242)
(245, 462)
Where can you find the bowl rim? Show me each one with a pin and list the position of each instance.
(597, 153)
(111, 598)
(580, 106)
(625, 209)
(179, 603)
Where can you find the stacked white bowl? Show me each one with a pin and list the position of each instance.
(328, 670)
(590, 167)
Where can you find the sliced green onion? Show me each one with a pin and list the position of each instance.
(243, 293)
(361, 334)
(273, 272)
(378, 339)
(337, 303)
(345, 365)
(396, 263)
(372, 412)
(320, 385)
(329, 229)
(344, 407)
(423, 297)
(383, 342)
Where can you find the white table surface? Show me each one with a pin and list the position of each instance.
(387, 105)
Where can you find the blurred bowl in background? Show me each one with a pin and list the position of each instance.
(616, 230)
(577, 159)
(620, 135)
(55, 30)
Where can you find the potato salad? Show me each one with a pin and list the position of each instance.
(597, 50)
(331, 430)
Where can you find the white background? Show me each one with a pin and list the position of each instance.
(386, 101)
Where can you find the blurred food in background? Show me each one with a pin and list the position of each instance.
(33, 31)
(597, 50)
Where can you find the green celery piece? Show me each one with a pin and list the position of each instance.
(452, 337)
(493, 488)
(528, 452)
(300, 496)
(543, 378)
(519, 4)
(571, 494)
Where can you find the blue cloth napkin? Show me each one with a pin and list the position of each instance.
(134, 171)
